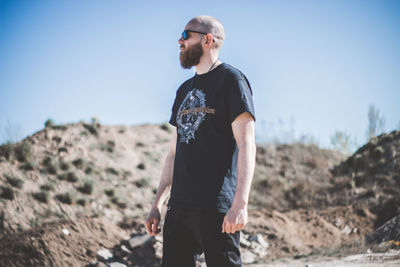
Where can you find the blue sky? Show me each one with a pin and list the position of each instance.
(314, 66)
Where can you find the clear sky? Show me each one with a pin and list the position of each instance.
(314, 66)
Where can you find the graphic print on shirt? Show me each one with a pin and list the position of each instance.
(191, 113)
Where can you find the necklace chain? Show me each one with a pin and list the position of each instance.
(212, 65)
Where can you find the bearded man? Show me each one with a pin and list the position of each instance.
(210, 165)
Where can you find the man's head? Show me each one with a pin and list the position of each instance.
(203, 34)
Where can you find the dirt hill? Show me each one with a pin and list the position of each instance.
(69, 191)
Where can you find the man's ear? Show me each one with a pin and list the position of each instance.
(208, 38)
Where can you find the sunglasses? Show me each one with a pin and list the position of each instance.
(185, 34)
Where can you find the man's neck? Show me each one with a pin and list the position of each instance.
(206, 63)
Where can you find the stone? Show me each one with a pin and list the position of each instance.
(248, 257)
(117, 264)
(104, 254)
(139, 240)
(65, 231)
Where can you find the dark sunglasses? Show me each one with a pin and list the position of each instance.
(185, 34)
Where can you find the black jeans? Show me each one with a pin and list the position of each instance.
(188, 233)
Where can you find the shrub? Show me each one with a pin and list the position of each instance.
(68, 176)
(50, 164)
(109, 192)
(141, 166)
(47, 187)
(64, 165)
(92, 128)
(6, 192)
(86, 187)
(42, 196)
(112, 171)
(28, 166)
(23, 151)
(78, 163)
(7, 150)
(62, 149)
(66, 198)
(81, 201)
(143, 182)
(122, 205)
(140, 144)
(14, 181)
(165, 127)
(49, 123)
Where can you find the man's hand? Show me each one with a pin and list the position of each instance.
(152, 222)
(234, 220)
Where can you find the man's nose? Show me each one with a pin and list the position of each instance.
(180, 40)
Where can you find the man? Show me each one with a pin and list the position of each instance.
(211, 161)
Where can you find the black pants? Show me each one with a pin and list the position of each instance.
(188, 233)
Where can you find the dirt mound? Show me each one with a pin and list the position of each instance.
(371, 177)
(98, 183)
(61, 243)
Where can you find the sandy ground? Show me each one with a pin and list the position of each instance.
(387, 259)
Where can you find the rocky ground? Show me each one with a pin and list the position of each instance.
(78, 194)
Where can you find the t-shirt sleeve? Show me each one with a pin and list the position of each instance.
(239, 98)
(172, 120)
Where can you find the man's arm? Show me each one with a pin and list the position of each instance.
(243, 131)
(163, 190)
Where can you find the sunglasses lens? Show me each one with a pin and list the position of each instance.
(184, 35)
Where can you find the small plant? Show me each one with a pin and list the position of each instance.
(114, 200)
(47, 187)
(87, 187)
(79, 163)
(140, 144)
(42, 196)
(66, 198)
(112, 171)
(28, 166)
(122, 205)
(109, 192)
(6, 192)
(141, 166)
(62, 149)
(68, 176)
(65, 166)
(14, 181)
(165, 127)
(92, 128)
(49, 123)
(50, 164)
(143, 182)
(23, 151)
(7, 150)
(81, 201)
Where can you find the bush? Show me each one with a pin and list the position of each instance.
(81, 201)
(7, 150)
(143, 182)
(165, 127)
(68, 176)
(87, 187)
(65, 166)
(23, 151)
(28, 166)
(47, 187)
(42, 196)
(112, 171)
(66, 198)
(6, 192)
(109, 192)
(49, 123)
(141, 166)
(14, 181)
(50, 164)
(79, 163)
(92, 128)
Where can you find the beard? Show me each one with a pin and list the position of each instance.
(191, 56)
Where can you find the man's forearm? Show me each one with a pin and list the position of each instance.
(245, 171)
(165, 182)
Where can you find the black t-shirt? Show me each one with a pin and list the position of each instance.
(205, 167)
